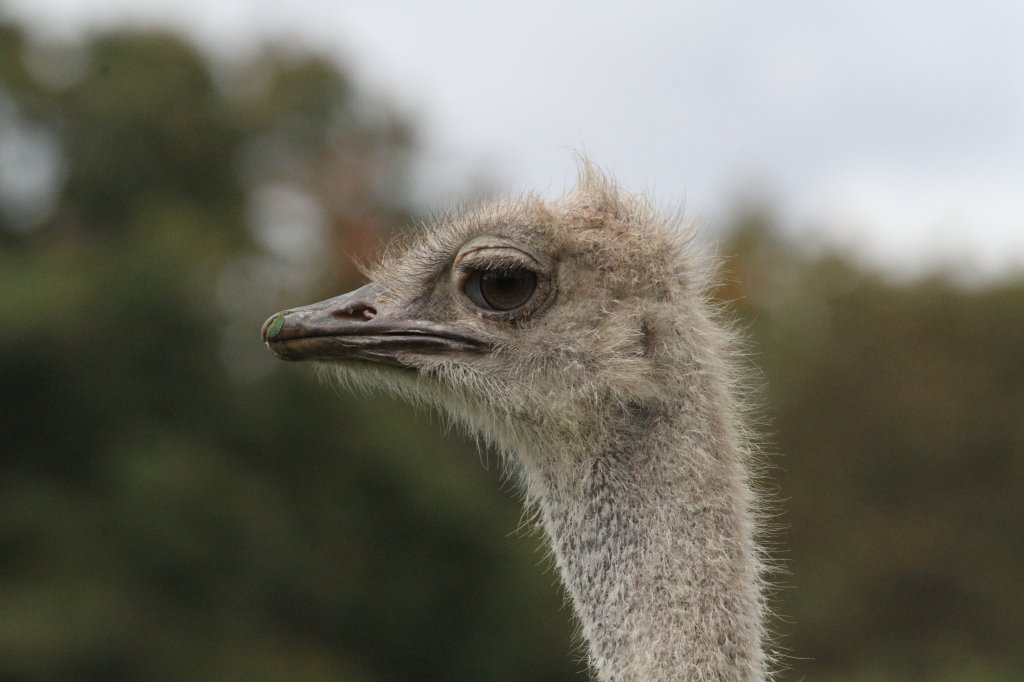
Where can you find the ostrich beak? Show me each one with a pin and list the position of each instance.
(362, 325)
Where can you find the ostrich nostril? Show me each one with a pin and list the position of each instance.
(356, 311)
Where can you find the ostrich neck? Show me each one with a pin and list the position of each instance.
(653, 538)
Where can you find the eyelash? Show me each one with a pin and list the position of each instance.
(499, 266)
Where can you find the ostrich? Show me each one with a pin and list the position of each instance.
(576, 336)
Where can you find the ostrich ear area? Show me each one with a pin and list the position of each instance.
(364, 325)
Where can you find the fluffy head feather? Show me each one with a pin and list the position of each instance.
(625, 314)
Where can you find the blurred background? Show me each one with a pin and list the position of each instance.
(176, 504)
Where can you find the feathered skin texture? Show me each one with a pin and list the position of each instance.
(614, 400)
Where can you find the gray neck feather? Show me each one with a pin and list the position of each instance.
(654, 541)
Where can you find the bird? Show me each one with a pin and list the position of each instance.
(578, 337)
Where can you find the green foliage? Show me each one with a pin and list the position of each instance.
(897, 410)
(179, 505)
(170, 513)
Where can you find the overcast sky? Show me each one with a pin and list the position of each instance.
(896, 128)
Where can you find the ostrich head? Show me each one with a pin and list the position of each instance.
(554, 323)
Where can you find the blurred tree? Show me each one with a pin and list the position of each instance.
(175, 505)
(899, 413)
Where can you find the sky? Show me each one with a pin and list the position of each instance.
(894, 129)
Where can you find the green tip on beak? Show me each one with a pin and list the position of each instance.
(275, 326)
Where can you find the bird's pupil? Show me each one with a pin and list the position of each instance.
(507, 290)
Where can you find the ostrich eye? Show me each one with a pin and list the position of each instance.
(500, 290)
